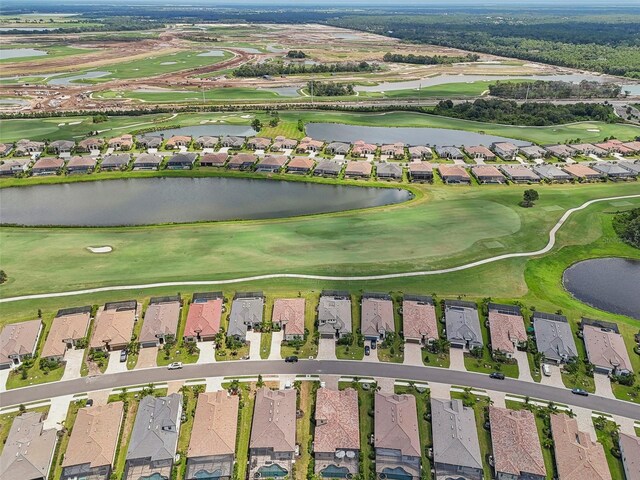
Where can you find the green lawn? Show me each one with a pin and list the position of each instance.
(53, 52)
(367, 452)
(353, 351)
(606, 431)
(178, 353)
(245, 416)
(188, 96)
(265, 345)
(306, 402)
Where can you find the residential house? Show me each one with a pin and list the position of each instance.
(452, 153)
(519, 173)
(246, 313)
(336, 443)
(551, 173)
(578, 457)
(17, 341)
(582, 172)
(517, 454)
(116, 161)
(488, 174)
(147, 161)
(420, 152)
(288, 314)
(113, 326)
(613, 171)
(178, 141)
(81, 164)
(47, 166)
(505, 150)
(630, 455)
(419, 323)
(27, 147)
(462, 324)
(271, 163)
(204, 317)
(29, 448)
(633, 167)
(212, 446)
(633, 146)
(69, 326)
(206, 141)
(389, 170)
(454, 174)
(362, 149)
(328, 168)
(281, 143)
(506, 326)
(308, 144)
(396, 438)
(480, 152)
(272, 445)
(214, 159)
(421, 171)
(123, 142)
(377, 316)
(588, 149)
(14, 166)
(456, 449)
(301, 165)
(5, 149)
(395, 151)
(358, 169)
(58, 147)
(605, 347)
(615, 146)
(337, 148)
(334, 314)
(154, 438)
(235, 143)
(560, 151)
(149, 141)
(533, 152)
(182, 161)
(242, 161)
(93, 444)
(90, 144)
(258, 143)
(554, 338)
(160, 321)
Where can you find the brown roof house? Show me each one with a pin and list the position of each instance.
(395, 150)
(419, 324)
(18, 340)
(362, 149)
(334, 314)
(258, 143)
(94, 442)
(396, 436)
(89, 144)
(488, 174)
(27, 147)
(358, 169)
(69, 326)
(81, 164)
(520, 173)
(214, 159)
(453, 174)
(480, 152)
(113, 326)
(506, 150)
(281, 143)
(336, 444)
(123, 142)
(160, 320)
(178, 141)
(212, 446)
(421, 171)
(47, 166)
(577, 456)
(420, 152)
(272, 445)
(630, 454)
(206, 141)
(242, 161)
(377, 316)
(560, 151)
(506, 326)
(582, 172)
(203, 319)
(301, 165)
(271, 163)
(605, 347)
(28, 450)
(232, 142)
(517, 453)
(61, 146)
(288, 313)
(308, 144)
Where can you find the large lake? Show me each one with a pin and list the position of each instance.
(409, 135)
(610, 284)
(164, 200)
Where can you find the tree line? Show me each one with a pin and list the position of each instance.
(554, 89)
(627, 226)
(429, 59)
(282, 68)
(330, 89)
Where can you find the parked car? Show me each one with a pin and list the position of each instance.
(123, 356)
(291, 359)
(546, 370)
(373, 345)
(174, 366)
(367, 350)
(89, 402)
(579, 391)
(497, 375)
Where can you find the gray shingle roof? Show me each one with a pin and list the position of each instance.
(553, 336)
(463, 323)
(334, 313)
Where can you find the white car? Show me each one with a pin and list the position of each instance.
(174, 366)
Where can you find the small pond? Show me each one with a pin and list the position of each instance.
(213, 129)
(145, 201)
(74, 78)
(6, 53)
(212, 53)
(410, 135)
(610, 284)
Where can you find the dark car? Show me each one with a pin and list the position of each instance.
(89, 402)
(291, 359)
(373, 345)
(123, 356)
(497, 375)
(579, 391)
(367, 350)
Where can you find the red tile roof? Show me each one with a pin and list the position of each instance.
(203, 318)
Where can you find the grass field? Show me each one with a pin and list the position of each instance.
(218, 94)
(53, 51)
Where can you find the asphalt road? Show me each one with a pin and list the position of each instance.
(315, 367)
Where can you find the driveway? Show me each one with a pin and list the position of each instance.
(524, 373)
(326, 349)
(4, 376)
(374, 353)
(412, 353)
(555, 379)
(58, 412)
(497, 398)
(603, 385)
(276, 341)
(457, 359)
(585, 421)
(207, 352)
(439, 390)
(147, 358)
(254, 345)
(73, 363)
(115, 365)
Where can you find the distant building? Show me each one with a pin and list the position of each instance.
(505, 150)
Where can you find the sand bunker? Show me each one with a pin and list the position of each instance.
(105, 249)
(593, 130)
